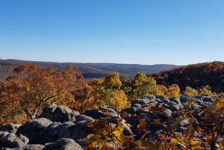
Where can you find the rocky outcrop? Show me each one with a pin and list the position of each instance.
(63, 144)
(34, 129)
(32, 147)
(60, 128)
(58, 113)
(10, 140)
(56, 131)
(12, 128)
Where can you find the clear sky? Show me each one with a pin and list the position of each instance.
(120, 31)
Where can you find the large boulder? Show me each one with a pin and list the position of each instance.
(10, 140)
(63, 144)
(184, 123)
(32, 147)
(150, 97)
(80, 131)
(65, 130)
(112, 112)
(208, 99)
(58, 113)
(185, 98)
(10, 127)
(94, 113)
(58, 130)
(84, 118)
(159, 100)
(127, 111)
(34, 129)
(175, 100)
(172, 107)
(141, 102)
(168, 113)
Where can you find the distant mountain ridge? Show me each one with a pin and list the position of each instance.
(89, 70)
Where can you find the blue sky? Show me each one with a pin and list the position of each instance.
(120, 31)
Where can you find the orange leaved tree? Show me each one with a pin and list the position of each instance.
(31, 87)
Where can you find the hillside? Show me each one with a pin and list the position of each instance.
(89, 70)
(195, 75)
(5, 69)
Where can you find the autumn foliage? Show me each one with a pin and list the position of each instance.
(204, 133)
(141, 85)
(107, 91)
(195, 76)
(32, 87)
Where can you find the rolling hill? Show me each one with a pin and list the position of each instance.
(89, 70)
(195, 75)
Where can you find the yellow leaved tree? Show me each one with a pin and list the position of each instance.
(173, 91)
(190, 91)
(107, 91)
(142, 85)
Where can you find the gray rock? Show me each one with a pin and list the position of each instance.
(112, 111)
(23, 138)
(158, 100)
(148, 116)
(32, 147)
(140, 101)
(10, 127)
(10, 140)
(94, 113)
(127, 111)
(198, 97)
(110, 108)
(176, 100)
(150, 97)
(184, 123)
(56, 131)
(172, 107)
(181, 129)
(180, 106)
(168, 113)
(207, 103)
(138, 105)
(58, 113)
(135, 109)
(164, 100)
(184, 98)
(199, 102)
(196, 106)
(153, 102)
(80, 131)
(82, 122)
(160, 96)
(84, 118)
(63, 144)
(208, 99)
(161, 115)
(34, 129)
